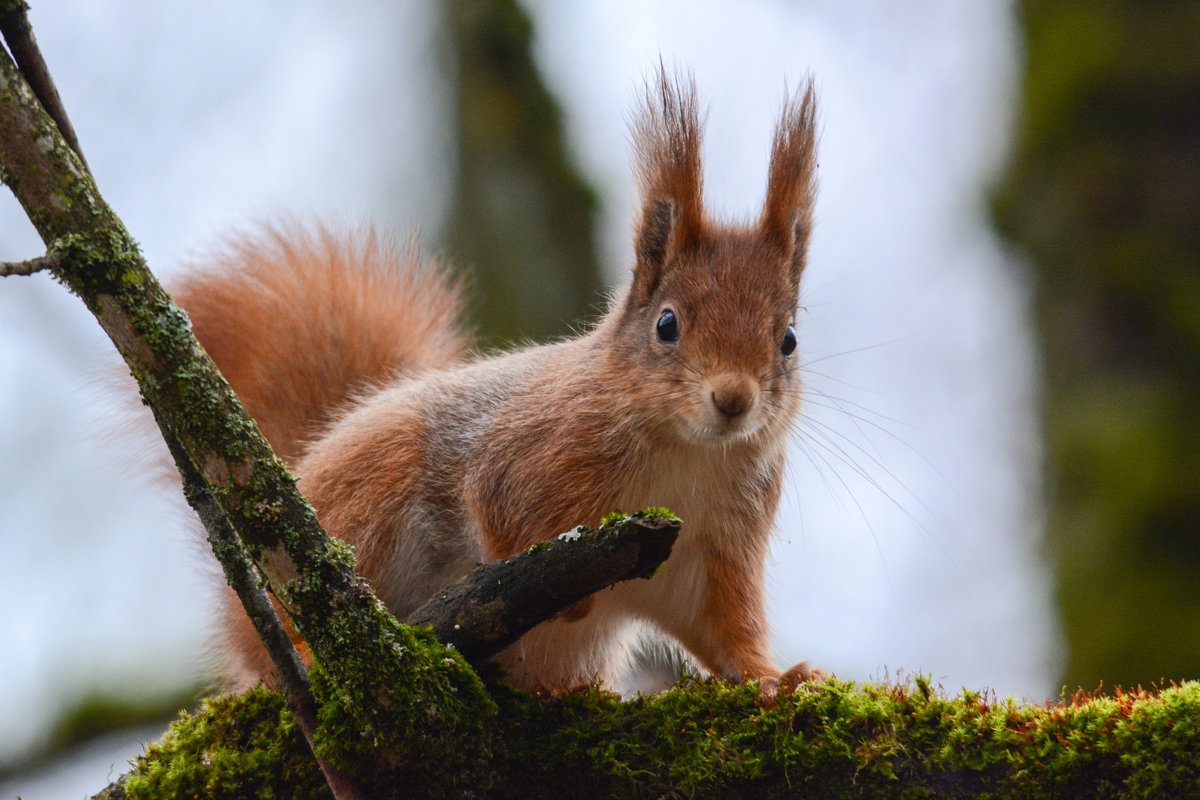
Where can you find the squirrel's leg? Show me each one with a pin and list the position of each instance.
(734, 643)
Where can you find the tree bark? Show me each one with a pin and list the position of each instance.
(489, 609)
(18, 35)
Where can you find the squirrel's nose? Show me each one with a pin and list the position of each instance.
(733, 396)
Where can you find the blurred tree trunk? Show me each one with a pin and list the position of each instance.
(521, 217)
(1104, 194)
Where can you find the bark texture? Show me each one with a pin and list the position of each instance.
(489, 609)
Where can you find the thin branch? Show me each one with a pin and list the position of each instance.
(492, 607)
(246, 582)
(33, 265)
(18, 35)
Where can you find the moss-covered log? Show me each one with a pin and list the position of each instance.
(715, 740)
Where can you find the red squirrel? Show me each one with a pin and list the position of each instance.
(429, 460)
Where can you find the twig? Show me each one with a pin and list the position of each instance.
(18, 35)
(492, 607)
(33, 265)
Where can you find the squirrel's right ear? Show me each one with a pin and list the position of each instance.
(666, 141)
(792, 177)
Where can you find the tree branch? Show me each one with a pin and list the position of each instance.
(30, 267)
(246, 582)
(18, 35)
(492, 607)
(239, 570)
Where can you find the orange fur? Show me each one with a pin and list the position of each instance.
(283, 314)
(427, 462)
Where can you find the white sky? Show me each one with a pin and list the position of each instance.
(909, 537)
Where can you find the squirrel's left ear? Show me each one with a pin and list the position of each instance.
(666, 138)
(792, 178)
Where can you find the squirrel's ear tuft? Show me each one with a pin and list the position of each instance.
(792, 178)
(666, 141)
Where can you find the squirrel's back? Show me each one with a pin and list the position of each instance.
(300, 320)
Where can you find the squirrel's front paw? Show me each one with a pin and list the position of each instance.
(804, 672)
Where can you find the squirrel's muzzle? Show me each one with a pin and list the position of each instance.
(733, 396)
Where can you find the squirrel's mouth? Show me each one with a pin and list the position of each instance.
(730, 415)
(720, 430)
(705, 423)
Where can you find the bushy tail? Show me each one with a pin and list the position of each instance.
(299, 320)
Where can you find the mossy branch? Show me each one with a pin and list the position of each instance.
(90, 251)
(244, 579)
(230, 474)
(713, 740)
(489, 609)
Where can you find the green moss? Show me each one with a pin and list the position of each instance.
(707, 739)
(617, 517)
(397, 700)
(657, 512)
(239, 746)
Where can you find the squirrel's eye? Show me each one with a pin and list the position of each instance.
(667, 327)
(789, 342)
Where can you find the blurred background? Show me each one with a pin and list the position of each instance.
(994, 481)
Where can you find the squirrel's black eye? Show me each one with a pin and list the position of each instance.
(789, 342)
(667, 327)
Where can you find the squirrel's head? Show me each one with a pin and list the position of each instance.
(709, 318)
